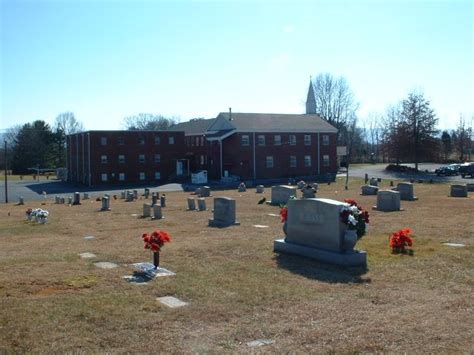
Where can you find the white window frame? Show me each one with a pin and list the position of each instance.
(157, 158)
(121, 176)
(157, 175)
(269, 163)
(103, 159)
(261, 140)
(121, 159)
(292, 139)
(141, 140)
(142, 176)
(157, 140)
(171, 140)
(245, 140)
(141, 158)
(275, 140)
(103, 177)
(307, 161)
(325, 139)
(293, 162)
(326, 160)
(103, 140)
(307, 139)
(120, 141)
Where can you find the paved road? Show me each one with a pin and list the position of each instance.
(33, 190)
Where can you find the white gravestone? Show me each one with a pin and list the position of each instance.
(459, 190)
(369, 190)
(282, 193)
(224, 212)
(105, 204)
(191, 204)
(315, 230)
(406, 191)
(388, 201)
(157, 214)
(260, 189)
(146, 210)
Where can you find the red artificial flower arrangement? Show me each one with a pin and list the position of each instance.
(401, 242)
(156, 240)
(355, 217)
(284, 214)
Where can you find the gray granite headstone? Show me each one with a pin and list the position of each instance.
(242, 187)
(470, 187)
(308, 191)
(191, 204)
(369, 190)
(388, 201)
(77, 198)
(406, 191)
(57, 200)
(201, 204)
(105, 204)
(374, 182)
(146, 210)
(260, 189)
(163, 200)
(62, 200)
(69, 200)
(301, 184)
(157, 213)
(130, 196)
(21, 200)
(315, 230)
(282, 193)
(154, 198)
(366, 178)
(123, 194)
(224, 212)
(86, 196)
(205, 191)
(459, 190)
(135, 194)
(146, 192)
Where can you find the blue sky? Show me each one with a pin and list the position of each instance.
(105, 60)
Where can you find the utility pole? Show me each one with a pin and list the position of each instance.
(6, 173)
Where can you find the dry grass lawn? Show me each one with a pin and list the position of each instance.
(238, 290)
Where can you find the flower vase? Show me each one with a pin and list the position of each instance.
(156, 259)
(350, 240)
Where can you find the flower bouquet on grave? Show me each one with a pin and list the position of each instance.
(41, 216)
(355, 217)
(155, 242)
(284, 214)
(401, 242)
(29, 214)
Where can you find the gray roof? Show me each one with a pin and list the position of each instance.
(196, 126)
(276, 122)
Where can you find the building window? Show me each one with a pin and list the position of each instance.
(307, 161)
(202, 141)
(170, 140)
(292, 139)
(121, 159)
(245, 140)
(277, 140)
(292, 161)
(157, 158)
(325, 139)
(120, 141)
(103, 140)
(269, 161)
(157, 175)
(103, 159)
(157, 140)
(121, 177)
(202, 160)
(141, 140)
(103, 177)
(307, 139)
(325, 160)
(141, 158)
(261, 140)
(142, 176)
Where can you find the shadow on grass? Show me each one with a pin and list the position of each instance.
(320, 271)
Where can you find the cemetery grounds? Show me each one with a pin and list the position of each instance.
(237, 289)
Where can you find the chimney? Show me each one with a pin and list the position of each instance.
(230, 113)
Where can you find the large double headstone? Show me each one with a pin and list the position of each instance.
(282, 193)
(315, 230)
(406, 191)
(374, 182)
(224, 212)
(369, 190)
(388, 201)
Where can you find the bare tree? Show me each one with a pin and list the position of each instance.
(149, 122)
(67, 123)
(463, 138)
(335, 101)
(395, 134)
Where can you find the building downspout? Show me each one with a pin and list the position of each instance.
(83, 161)
(319, 156)
(89, 153)
(77, 157)
(220, 148)
(254, 160)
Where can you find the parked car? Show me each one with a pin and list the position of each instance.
(446, 171)
(467, 170)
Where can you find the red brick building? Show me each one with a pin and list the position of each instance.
(254, 146)
(113, 157)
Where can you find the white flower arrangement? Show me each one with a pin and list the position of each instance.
(40, 215)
